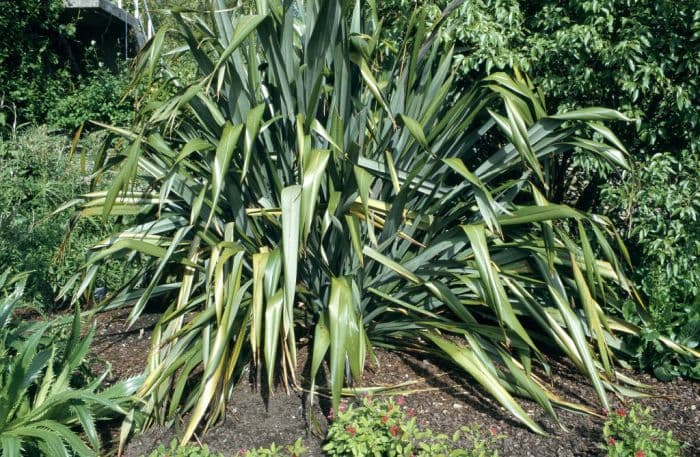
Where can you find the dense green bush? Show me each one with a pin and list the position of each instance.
(33, 75)
(100, 95)
(36, 177)
(641, 57)
(664, 193)
(50, 401)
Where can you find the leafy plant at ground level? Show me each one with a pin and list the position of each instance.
(295, 449)
(46, 407)
(187, 450)
(388, 428)
(296, 188)
(36, 177)
(632, 434)
(642, 58)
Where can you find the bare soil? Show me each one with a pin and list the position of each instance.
(443, 398)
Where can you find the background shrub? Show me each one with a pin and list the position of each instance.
(36, 177)
(642, 58)
(664, 196)
(100, 95)
(33, 76)
(41, 79)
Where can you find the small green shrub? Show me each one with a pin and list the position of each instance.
(291, 450)
(662, 214)
(189, 450)
(632, 434)
(389, 428)
(35, 178)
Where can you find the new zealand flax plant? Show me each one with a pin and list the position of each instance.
(304, 185)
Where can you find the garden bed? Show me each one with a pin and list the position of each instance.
(443, 400)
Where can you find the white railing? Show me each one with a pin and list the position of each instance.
(139, 9)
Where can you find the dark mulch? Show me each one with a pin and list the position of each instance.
(443, 398)
(124, 348)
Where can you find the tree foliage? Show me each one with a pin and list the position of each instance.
(638, 56)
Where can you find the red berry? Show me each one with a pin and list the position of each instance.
(611, 441)
(385, 419)
(621, 412)
(351, 430)
(394, 430)
(640, 453)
